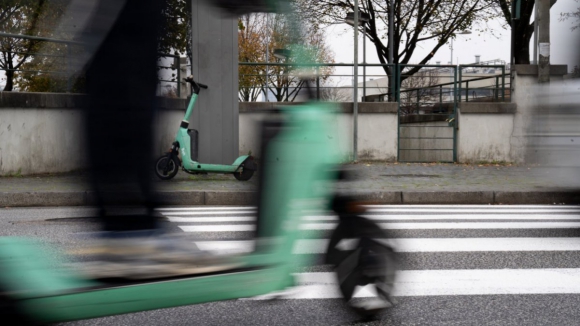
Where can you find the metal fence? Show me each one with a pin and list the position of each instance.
(283, 82)
(52, 69)
(429, 85)
(483, 83)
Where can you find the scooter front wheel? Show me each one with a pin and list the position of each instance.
(166, 167)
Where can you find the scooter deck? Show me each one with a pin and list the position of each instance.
(211, 168)
(49, 295)
(194, 166)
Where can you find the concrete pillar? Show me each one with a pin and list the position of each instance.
(215, 63)
(526, 97)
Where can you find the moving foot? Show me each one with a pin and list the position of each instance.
(135, 255)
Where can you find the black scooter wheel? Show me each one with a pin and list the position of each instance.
(166, 167)
(359, 258)
(245, 175)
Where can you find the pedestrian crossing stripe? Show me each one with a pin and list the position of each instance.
(407, 208)
(395, 226)
(405, 245)
(251, 218)
(455, 282)
(449, 282)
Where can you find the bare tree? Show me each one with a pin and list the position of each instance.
(414, 23)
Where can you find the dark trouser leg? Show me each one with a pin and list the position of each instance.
(121, 82)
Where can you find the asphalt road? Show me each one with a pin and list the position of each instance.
(460, 265)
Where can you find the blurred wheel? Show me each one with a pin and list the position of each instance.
(360, 259)
(245, 175)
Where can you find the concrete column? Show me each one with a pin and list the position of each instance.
(215, 63)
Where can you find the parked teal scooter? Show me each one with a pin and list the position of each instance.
(186, 145)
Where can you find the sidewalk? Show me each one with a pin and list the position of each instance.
(386, 183)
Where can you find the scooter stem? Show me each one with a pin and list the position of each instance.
(190, 107)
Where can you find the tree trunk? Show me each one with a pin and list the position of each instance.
(523, 33)
(9, 80)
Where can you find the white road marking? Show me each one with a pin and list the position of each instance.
(318, 246)
(451, 282)
(313, 218)
(204, 208)
(475, 217)
(396, 226)
(212, 219)
(207, 213)
(218, 228)
(473, 210)
(455, 225)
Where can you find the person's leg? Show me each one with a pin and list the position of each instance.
(121, 82)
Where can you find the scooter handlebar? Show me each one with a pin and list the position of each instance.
(190, 80)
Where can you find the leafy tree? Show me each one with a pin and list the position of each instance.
(28, 17)
(44, 72)
(261, 33)
(252, 38)
(47, 71)
(175, 36)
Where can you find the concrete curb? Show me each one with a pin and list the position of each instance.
(197, 198)
(447, 197)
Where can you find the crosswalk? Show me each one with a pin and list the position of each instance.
(444, 249)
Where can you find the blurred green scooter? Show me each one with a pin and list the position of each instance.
(291, 185)
(186, 145)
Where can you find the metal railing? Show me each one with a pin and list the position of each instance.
(430, 85)
(476, 88)
(281, 82)
(423, 89)
(176, 66)
(60, 77)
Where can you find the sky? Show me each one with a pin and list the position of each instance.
(466, 47)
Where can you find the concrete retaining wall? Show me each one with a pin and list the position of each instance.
(485, 131)
(377, 131)
(41, 133)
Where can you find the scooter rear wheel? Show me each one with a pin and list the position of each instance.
(366, 261)
(245, 174)
(166, 167)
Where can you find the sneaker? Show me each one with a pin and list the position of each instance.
(133, 256)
